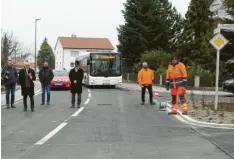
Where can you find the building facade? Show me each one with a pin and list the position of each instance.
(19, 61)
(67, 49)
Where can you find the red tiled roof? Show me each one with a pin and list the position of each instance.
(85, 43)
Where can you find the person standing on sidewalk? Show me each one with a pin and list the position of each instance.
(76, 76)
(176, 80)
(26, 78)
(45, 76)
(9, 77)
(145, 78)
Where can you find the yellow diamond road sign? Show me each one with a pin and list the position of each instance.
(218, 41)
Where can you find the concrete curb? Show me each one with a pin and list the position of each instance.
(201, 123)
(21, 98)
(195, 92)
(191, 121)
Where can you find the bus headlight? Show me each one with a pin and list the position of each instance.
(92, 81)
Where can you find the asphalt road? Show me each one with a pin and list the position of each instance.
(111, 125)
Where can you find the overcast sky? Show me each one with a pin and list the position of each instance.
(85, 18)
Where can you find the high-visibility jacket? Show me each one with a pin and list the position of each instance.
(145, 76)
(176, 75)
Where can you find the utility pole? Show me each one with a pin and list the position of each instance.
(36, 44)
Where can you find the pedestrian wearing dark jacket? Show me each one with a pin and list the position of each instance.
(26, 78)
(9, 77)
(76, 76)
(45, 76)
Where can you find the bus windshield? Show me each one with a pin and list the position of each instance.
(106, 65)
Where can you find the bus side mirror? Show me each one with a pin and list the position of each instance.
(88, 62)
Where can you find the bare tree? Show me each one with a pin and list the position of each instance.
(10, 47)
(25, 52)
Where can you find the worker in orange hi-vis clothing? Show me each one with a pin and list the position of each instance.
(176, 80)
(145, 78)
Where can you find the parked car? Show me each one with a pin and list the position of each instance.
(229, 85)
(60, 80)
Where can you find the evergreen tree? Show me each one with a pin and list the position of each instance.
(4, 50)
(230, 5)
(45, 54)
(176, 24)
(198, 28)
(150, 25)
(133, 35)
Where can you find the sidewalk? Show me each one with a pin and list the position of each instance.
(135, 86)
(18, 95)
(16, 89)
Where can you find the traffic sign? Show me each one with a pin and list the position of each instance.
(218, 41)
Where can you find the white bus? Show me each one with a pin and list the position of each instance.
(101, 68)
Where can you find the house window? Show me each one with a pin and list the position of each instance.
(74, 53)
(72, 64)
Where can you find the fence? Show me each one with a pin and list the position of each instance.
(192, 82)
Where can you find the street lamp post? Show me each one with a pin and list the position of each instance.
(36, 43)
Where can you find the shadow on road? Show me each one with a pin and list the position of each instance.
(60, 89)
(100, 87)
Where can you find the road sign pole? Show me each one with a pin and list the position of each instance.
(218, 41)
(217, 80)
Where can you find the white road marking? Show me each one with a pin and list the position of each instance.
(186, 119)
(52, 133)
(89, 95)
(78, 111)
(87, 101)
(89, 90)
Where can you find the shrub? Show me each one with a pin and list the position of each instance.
(161, 71)
(156, 59)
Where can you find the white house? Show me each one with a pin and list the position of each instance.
(30, 58)
(19, 61)
(68, 48)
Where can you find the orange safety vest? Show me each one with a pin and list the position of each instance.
(176, 75)
(145, 76)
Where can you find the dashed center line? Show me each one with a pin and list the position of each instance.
(77, 112)
(52, 133)
(87, 101)
(58, 128)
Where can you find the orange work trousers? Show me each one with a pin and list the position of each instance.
(176, 93)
